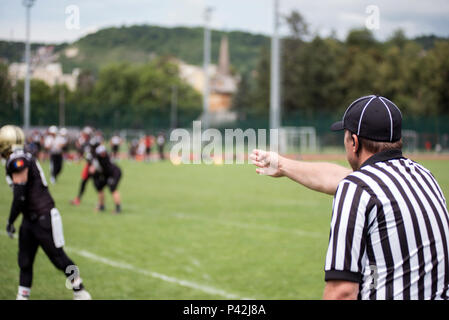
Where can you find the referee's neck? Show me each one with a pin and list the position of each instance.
(361, 158)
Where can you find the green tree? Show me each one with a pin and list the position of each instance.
(362, 38)
(7, 106)
(436, 77)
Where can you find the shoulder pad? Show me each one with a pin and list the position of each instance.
(17, 161)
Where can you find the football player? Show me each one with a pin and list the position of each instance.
(41, 224)
(84, 149)
(55, 144)
(105, 173)
(160, 141)
(148, 139)
(115, 141)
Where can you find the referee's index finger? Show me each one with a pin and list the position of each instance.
(260, 154)
(259, 164)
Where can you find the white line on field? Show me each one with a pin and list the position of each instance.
(160, 276)
(251, 226)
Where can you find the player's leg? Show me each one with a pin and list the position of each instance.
(52, 169)
(113, 185)
(161, 153)
(58, 165)
(100, 205)
(77, 200)
(28, 245)
(84, 178)
(117, 201)
(100, 183)
(82, 188)
(44, 233)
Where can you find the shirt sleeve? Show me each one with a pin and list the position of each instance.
(346, 250)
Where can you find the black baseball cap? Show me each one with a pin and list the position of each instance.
(372, 117)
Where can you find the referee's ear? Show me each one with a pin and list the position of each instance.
(355, 143)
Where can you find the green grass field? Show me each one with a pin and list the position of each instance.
(187, 232)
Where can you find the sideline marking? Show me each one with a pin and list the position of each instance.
(160, 276)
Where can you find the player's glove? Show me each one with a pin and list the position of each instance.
(10, 230)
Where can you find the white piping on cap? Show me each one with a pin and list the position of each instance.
(391, 119)
(365, 97)
(363, 111)
(392, 104)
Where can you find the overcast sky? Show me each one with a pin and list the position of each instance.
(49, 17)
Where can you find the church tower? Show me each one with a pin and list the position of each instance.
(223, 84)
(223, 58)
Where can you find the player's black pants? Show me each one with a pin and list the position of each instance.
(32, 235)
(161, 152)
(100, 180)
(55, 164)
(115, 150)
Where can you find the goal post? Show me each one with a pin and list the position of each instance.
(410, 141)
(297, 140)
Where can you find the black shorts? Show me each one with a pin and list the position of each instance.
(115, 148)
(100, 180)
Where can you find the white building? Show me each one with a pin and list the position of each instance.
(44, 68)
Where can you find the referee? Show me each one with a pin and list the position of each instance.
(389, 234)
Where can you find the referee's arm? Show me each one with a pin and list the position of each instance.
(319, 176)
(340, 290)
(345, 259)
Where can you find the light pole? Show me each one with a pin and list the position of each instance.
(61, 104)
(206, 62)
(275, 110)
(174, 107)
(28, 4)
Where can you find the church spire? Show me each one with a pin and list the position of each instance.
(223, 58)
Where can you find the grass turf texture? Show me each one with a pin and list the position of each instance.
(217, 226)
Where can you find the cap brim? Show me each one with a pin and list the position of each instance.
(337, 126)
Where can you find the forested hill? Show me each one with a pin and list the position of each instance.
(140, 42)
(135, 43)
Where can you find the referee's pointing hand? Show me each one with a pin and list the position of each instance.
(267, 162)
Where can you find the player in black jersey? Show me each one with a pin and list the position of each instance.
(84, 150)
(105, 173)
(41, 223)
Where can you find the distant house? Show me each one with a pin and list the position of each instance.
(44, 68)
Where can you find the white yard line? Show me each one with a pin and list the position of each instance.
(251, 226)
(126, 266)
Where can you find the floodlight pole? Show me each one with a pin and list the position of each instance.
(206, 63)
(275, 110)
(61, 104)
(28, 4)
(174, 107)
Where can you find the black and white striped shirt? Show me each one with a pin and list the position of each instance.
(390, 231)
